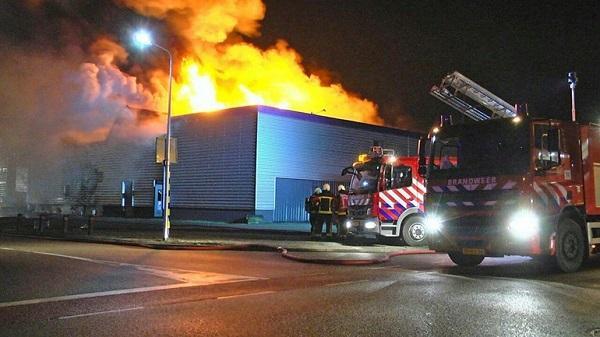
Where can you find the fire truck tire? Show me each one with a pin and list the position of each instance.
(465, 260)
(570, 246)
(413, 231)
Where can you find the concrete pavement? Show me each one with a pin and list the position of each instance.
(291, 240)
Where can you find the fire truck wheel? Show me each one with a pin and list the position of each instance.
(413, 230)
(465, 260)
(570, 246)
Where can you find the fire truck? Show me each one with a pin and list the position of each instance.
(518, 185)
(385, 198)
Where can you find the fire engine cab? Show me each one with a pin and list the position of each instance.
(386, 197)
(518, 185)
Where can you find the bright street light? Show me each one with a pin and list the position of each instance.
(142, 39)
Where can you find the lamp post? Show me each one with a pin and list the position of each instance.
(572, 79)
(143, 39)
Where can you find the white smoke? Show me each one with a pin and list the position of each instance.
(52, 102)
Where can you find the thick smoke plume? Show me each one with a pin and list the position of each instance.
(210, 21)
(54, 105)
(69, 75)
(82, 87)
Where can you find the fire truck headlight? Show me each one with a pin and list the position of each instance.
(348, 224)
(433, 223)
(524, 224)
(370, 224)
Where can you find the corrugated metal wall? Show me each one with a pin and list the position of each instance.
(216, 160)
(3, 184)
(117, 162)
(216, 168)
(290, 195)
(233, 160)
(300, 146)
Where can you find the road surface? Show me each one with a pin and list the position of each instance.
(53, 288)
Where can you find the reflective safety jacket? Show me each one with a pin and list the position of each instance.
(326, 203)
(341, 203)
(311, 204)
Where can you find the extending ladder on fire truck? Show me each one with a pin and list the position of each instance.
(456, 85)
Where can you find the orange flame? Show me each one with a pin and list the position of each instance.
(217, 73)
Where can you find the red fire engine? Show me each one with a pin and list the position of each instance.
(518, 186)
(385, 198)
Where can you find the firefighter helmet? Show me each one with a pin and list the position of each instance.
(318, 190)
(326, 187)
(341, 188)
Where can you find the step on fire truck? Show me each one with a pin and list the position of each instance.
(385, 198)
(518, 186)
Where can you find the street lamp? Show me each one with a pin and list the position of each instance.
(572, 79)
(143, 39)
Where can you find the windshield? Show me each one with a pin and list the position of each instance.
(492, 147)
(365, 179)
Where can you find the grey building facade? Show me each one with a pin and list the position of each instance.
(254, 160)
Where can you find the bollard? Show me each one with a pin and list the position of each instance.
(42, 222)
(91, 221)
(65, 223)
(19, 222)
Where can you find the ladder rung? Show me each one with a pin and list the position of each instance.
(461, 84)
(447, 97)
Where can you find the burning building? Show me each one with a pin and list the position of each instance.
(70, 137)
(232, 163)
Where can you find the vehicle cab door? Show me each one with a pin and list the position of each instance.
(397, 176)
(552, 161)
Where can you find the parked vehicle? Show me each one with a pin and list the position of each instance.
(519, 186)
(386, 198)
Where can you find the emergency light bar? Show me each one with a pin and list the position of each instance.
(363, 157)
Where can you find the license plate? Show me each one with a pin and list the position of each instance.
(473, 251)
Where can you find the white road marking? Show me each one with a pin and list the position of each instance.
(244, 295)
(96, 294)
(186, 278)
(460, 277)
(344, 283)
(182, 275)
(101, 313)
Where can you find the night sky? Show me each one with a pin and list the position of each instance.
(392, 52)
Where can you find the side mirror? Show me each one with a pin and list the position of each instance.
(347, 170)
(422, 171)
(421, 150)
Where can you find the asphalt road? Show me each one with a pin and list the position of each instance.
(52, 288)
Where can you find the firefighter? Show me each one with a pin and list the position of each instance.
(341, 210)
(311, 205)
(325, 210)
